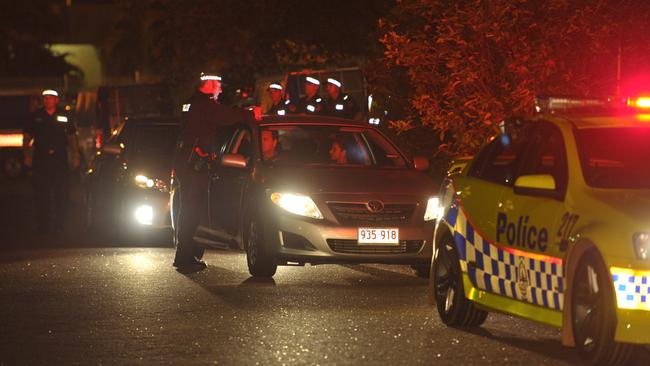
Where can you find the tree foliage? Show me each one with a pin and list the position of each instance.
(472, 63)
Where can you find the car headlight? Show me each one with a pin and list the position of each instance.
(297, 204)
(143, 181)
(641, 245)
(434, 211)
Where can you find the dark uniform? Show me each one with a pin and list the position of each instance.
(275, 108)
(343, 107)
(201, 134)
(315, 105)
(50, 165)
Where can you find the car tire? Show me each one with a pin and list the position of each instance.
(422, 270)
(453, 307)
(593, 307)
(260, 262)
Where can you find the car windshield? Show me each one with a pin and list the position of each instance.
(615, 157)
(154, 140)
(328, 145)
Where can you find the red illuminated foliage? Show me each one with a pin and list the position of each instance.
(472, 63)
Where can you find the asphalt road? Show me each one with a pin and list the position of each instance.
(72, 298)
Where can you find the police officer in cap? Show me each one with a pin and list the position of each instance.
(339, 104)
(205, 123)
(311, 103)
(276, 92)
(48, 138)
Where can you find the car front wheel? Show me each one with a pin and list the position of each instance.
(593, 314)
(260, 262)
(454, 308)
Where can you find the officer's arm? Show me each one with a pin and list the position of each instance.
(27, 149)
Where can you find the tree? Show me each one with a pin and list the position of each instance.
(472, 63)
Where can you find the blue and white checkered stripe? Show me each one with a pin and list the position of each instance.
(632, 290)
(496, 270)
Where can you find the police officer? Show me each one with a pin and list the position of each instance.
(339, 104)
(203, 131)
(52, 136)
(311, 103)
(276, 92)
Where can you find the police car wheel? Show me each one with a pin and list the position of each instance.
(593, 314)
(260, 262)
(453, 307)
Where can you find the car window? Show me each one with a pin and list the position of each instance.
(498, 161)
(241, 143)
(615, 157)
(546, 154)
(153, 140)
(328, 145)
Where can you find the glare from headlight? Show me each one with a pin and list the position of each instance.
(142, 179)
(297, 204)
(144, 214)
(434, 211)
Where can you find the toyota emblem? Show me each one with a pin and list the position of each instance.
(375, 206)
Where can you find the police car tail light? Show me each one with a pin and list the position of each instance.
(642, 245)
(434, 211)
(297, 204)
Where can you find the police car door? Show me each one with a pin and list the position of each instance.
(478, 192)
(227, 185)
(533, 217)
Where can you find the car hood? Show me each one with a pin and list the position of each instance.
(632, 203)
(349, 180)
(159, 168)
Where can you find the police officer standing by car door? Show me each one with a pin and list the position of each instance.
(338, 103)
(202, 132)
(276, 92)
(48, 138)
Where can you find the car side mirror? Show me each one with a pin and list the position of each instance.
(421, 163)
(234, 161)
(113, 149)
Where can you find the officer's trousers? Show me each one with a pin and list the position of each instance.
(50, 196)
(193, 203)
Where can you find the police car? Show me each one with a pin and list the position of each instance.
(551, 222)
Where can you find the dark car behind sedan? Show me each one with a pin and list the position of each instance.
(306, 203)
(127, 184)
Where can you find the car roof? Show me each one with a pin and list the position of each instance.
(601, 121)
(153, 121)
(309, 119)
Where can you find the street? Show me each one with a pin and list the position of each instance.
(72, 298)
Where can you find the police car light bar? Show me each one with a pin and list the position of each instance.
(642, 102)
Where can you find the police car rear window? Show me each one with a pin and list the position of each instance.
(615, 157)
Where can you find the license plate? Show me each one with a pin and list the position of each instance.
(369, 235)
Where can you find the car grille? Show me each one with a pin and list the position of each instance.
(353, 213)
(351, 246)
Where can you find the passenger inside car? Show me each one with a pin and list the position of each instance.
(338, 154)
(269, 144)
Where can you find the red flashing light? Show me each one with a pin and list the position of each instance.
(642, 102)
